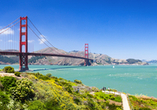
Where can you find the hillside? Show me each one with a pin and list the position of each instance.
(99, 59)
(150, 61)
(48, 92)
(8, 60)
(34, 91)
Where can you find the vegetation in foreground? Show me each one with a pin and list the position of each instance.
(143, 103)
(34, 91)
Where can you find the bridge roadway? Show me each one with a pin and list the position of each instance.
(42, 54)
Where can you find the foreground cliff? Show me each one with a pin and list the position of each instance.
(34, 91)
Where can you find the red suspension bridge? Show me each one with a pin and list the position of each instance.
(23, 44)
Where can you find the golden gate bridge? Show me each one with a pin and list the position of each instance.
(23, 45)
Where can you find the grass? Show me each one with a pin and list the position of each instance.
(101, 95)
(141, 103)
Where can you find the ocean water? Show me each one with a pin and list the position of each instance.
(132, 79)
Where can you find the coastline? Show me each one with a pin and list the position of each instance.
(132, 79)
(127, 100)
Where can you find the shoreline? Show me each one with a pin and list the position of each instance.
(56, 69)
(2, 74)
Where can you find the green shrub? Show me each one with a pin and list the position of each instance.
(93, 105)
(114, 107)
(144, 109)
(1, 86)
(37, 105)
(17, 73)
(23, 90)
(77, 100)
(52, 104)
(8, 69)
(4, 98)
(63, 83)
(77, 81)
(40, 76)
(95, 89)
(54, 77)
(8, 82)
(48, 74)
(60, 78)
(101, 95)
(69, 88)
(118, 99)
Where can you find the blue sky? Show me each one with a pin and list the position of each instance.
(119, 28)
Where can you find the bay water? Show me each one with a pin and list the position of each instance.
(132, 79)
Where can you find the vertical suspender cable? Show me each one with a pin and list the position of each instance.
(41, 34)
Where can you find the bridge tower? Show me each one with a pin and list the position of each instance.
(23, 58)
(86, 62)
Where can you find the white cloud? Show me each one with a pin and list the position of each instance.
(42, 40)
(30, 41)
(7, 31)
(0, 40)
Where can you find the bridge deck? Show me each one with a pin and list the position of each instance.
(42, 54)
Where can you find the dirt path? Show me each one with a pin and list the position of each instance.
(10, 74)
(124, 99)
(125, 102)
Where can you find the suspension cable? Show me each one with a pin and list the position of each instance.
(9, 27)
(41, 34)
(9, 24)
(40, 38)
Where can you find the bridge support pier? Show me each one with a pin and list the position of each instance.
(23, 58)
(86, 62)
(23, 63)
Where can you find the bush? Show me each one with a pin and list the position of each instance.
(118, 99)
(69, 88)
(77, 81)
(37, 105)
(144, 109)
(17, 74)
(48, 74)
(93, 105)
(40, 76)
(8, 82)
(4, 98)
(1, 86)
(61, 79)
(52, 104)
(23, 90)
(8, 69)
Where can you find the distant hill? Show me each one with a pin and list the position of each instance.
(150, 61)
(98, 59)
(8, 60)
(132, 61)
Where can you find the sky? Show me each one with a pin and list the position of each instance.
(118, 28)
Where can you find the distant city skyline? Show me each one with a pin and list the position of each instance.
(120, 29)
